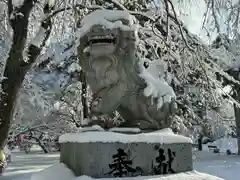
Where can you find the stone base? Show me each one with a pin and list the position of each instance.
(109, 154)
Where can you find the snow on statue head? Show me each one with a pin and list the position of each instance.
(119, 80)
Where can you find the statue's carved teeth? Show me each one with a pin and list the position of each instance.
(99, 39)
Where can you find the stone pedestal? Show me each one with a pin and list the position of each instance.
(111, 154)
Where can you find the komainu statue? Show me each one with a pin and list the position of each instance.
(107, 49)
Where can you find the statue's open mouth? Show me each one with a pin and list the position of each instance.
(100, 40)
(101, 44)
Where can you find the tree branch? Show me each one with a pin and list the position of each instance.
(10, 8)
(217, 26)
(167, 10)
(68, 115)
(12, 72)
(235, 24)
(40, 39)
(54, 13)
(117, 4)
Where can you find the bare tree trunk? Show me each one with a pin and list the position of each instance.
(13, 72)
(236, 95)
(16, 68)
(237, 120)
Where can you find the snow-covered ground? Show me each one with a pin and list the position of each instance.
(221, 165)
(23, 165)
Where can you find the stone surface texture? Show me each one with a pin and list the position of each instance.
(108, 56)
(93, 158)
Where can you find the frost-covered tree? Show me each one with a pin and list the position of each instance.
(21, 55)
(70, 104)
(27, 26)
(222, 18)
(163, 37)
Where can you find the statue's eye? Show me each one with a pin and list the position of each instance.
(124, 21)
(146, 64)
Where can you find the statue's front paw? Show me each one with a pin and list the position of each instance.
(95, 106)
(144, 125)
(170, 108)
(141, 124)
(173, 107)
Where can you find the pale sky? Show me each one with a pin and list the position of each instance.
(192, 16)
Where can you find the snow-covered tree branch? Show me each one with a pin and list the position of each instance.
(16, 65)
